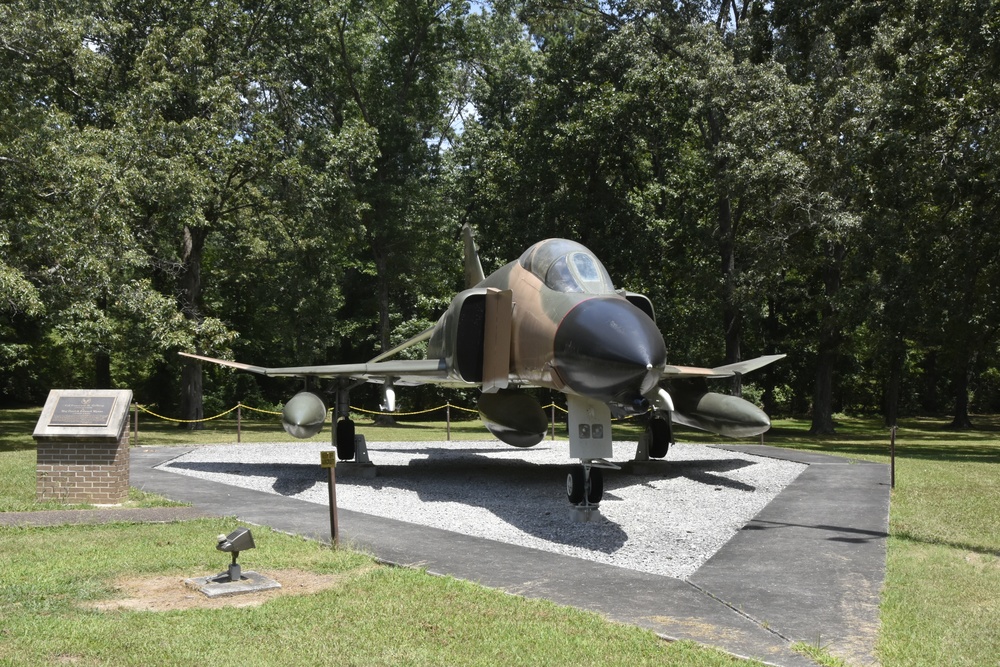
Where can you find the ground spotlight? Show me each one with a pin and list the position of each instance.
(235, 542)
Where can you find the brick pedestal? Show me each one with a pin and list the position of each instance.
(82, 472)
(84, 463)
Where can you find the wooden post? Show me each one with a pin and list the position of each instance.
(328, 460)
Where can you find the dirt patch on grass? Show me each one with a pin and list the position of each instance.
(169, 593)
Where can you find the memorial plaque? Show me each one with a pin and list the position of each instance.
(86, 411)
(84, 414)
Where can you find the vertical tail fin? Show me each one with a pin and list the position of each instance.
(473, 268)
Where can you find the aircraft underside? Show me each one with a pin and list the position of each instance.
(516, 418)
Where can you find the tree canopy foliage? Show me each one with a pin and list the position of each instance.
(284, 182)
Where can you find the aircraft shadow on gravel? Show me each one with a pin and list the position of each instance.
(516, 491)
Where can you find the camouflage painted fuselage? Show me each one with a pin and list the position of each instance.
(569, 329)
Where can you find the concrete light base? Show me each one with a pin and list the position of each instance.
(219, 585)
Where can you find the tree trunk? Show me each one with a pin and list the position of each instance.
(193, 245)
(726, 236)
(191, 395)
(829, 345)
(963, 376)
(892, 389)
(731, 319)
(102, 358)
(770, 403)
(102, 370)
(896, 353)
(929, 399)
(822, 410)
(382, 287)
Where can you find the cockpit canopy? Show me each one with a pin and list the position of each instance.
(567, 266)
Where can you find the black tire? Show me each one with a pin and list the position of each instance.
(659, 438)
(596, 490)
(345, 440)
(575, 483)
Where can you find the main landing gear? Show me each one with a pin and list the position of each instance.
(343, 431)
(345, 439)
(660, 436)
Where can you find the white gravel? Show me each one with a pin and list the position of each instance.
(667, 523)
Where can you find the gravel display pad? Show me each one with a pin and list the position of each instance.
(667, 522)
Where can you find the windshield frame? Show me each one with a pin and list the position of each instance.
(567, 266)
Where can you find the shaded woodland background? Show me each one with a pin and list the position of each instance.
(283, 182)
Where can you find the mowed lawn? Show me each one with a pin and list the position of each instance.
(940, 605)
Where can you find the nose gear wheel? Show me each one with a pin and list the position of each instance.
(585, 484)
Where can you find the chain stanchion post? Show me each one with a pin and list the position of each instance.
(447, 419)
(553, 410)
(239, 422)
(135, 428)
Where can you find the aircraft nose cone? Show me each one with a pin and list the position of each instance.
(606, 348)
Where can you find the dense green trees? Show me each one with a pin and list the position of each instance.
(284, 182)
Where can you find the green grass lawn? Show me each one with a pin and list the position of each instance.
(376, 615)
(940, 605)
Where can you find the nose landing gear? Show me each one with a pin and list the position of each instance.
(585, 484)
(585, 487)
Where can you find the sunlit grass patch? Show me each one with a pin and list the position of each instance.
(378, 615)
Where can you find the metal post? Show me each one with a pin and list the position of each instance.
(334, 529)
(239, 422)
(447, 419)
(136, 428)
(892, 457)
(553, 406)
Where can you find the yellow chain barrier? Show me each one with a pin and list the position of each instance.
(272, 412)
(184, 421)
(403, 414)
(266, 412)
(353, 408)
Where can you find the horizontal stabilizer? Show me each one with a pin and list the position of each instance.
(744, 367)
(729, 370)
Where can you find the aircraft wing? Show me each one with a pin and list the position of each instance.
(403, 372)
(729, 370)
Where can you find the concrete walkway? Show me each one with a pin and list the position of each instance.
(808, 568)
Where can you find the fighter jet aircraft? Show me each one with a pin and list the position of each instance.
(550, 319)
